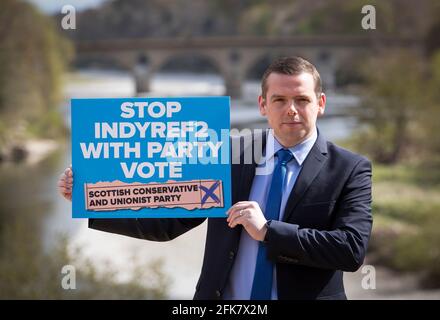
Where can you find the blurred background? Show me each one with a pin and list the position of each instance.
(382, 87)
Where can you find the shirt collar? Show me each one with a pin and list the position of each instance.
(299, 151)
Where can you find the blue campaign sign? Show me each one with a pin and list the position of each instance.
(151, 157)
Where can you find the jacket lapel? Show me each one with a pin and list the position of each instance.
(311, 167)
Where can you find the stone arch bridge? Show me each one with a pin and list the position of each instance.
(234, 57)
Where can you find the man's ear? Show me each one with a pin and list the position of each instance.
(262, 104)
(321, 104)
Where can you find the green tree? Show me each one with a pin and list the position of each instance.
(428, 120)
(394, 95)
(32, 60)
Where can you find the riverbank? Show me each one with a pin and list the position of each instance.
(29, 152)
(389, 285)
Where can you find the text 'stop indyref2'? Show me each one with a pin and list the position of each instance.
(151, 157)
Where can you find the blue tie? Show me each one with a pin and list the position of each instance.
(262, 285)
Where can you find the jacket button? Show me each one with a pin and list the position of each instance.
(218, 293)
(231, 254)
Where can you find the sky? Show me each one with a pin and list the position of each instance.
(54, 6)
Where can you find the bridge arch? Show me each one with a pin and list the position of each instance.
(183, 62)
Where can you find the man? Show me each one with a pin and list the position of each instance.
(292, 230)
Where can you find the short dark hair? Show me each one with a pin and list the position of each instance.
(291, 66)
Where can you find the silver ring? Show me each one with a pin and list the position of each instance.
(241, 213)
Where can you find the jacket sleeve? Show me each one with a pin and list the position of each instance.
(343, 247)
(147, 229)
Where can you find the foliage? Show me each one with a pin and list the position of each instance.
(156, 18)
(406, 202)
(28, 272)
(419, 252)
(399, 110)
(32, 59)
(32, 257)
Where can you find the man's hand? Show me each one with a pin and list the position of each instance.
(65, 183)
(250, 216)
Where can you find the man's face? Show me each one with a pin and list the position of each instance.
(291, 107)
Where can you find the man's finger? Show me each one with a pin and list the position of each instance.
(237, 220)
(65, 182)
(68, 171)
(238, 205)
(233, 211)
(236, 215)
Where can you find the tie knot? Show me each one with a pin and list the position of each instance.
(284, 156)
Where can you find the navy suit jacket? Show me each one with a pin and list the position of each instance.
(325, 228)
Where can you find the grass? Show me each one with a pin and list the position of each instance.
(406, 233)
(423, 176)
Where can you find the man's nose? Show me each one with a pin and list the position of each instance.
(292, 110)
